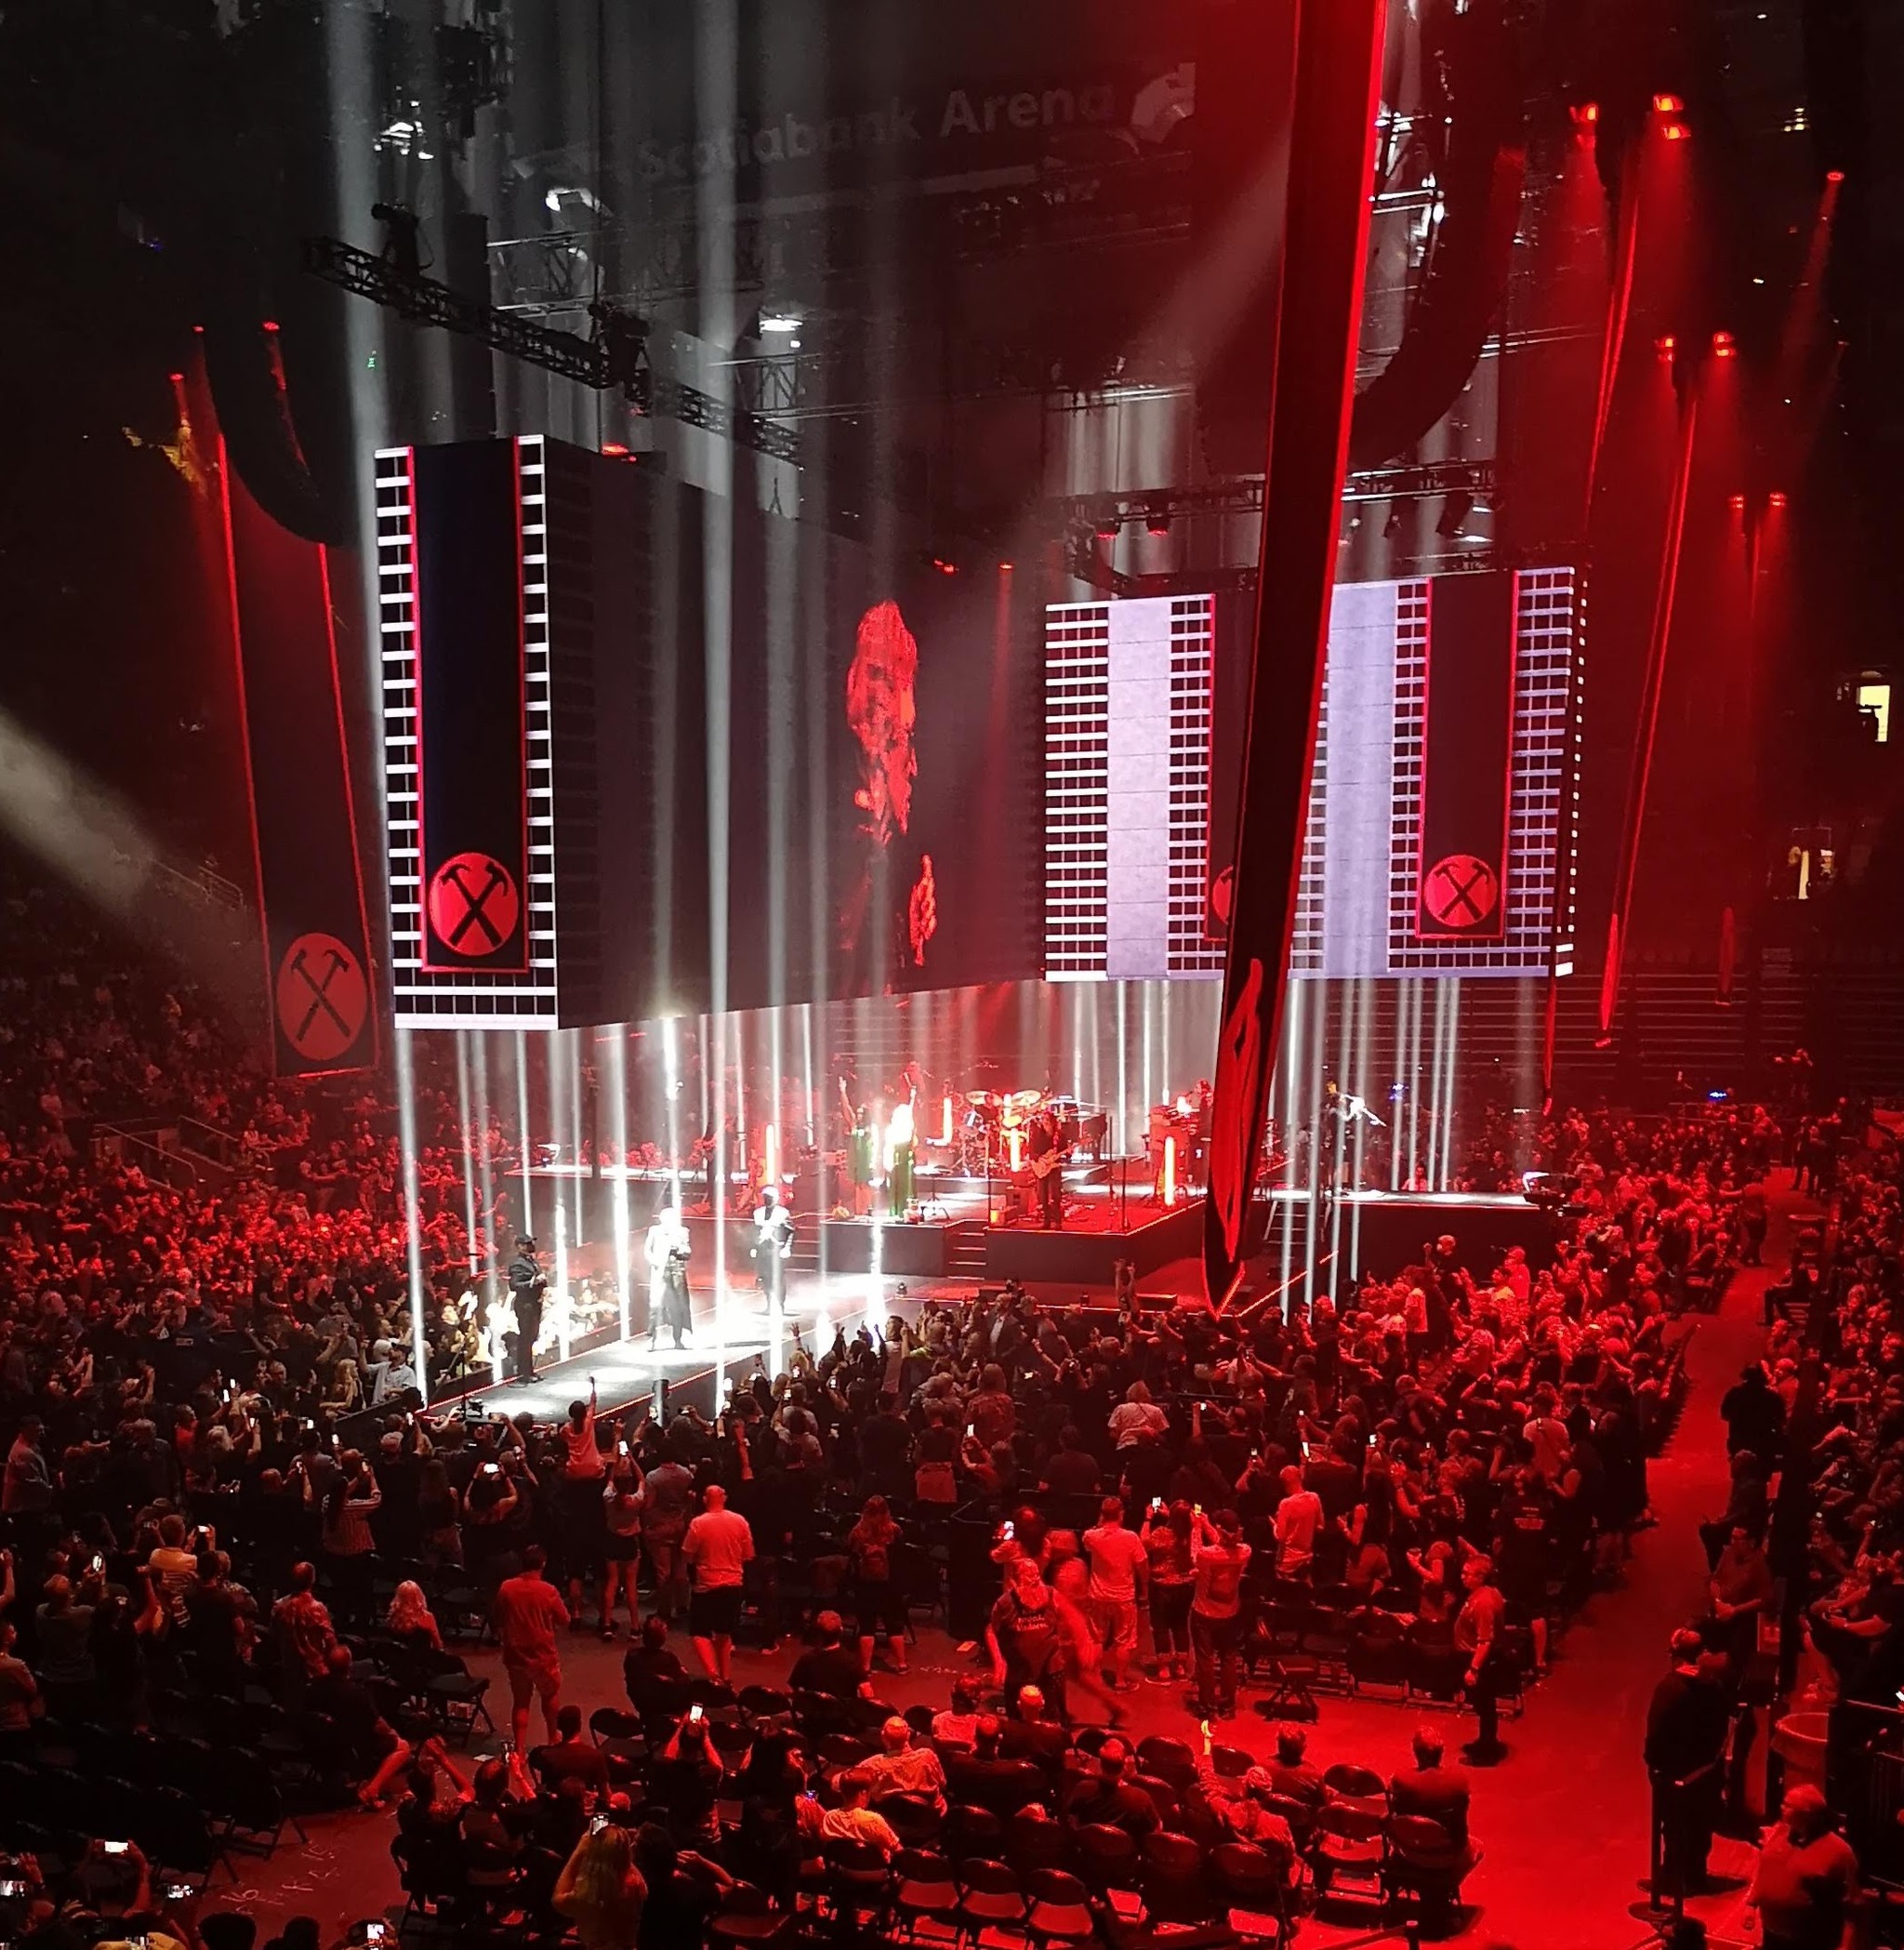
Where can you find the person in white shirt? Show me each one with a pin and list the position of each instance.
(1298, 1518)
(1119, 1579)
(718, 1547)
(1137, 1417)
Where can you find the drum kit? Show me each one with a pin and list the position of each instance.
(989, 1120)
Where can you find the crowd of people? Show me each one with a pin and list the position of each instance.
(1457, 1450)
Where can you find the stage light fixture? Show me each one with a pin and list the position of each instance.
(1392, 526)
(1668, 105)
(1585, 114)
(1665, 346)
(1736, 504)
(1778, 500)
(1675, 132)
(269, 324)
(1454, 515)
(1834, 176)
(1157, 519)
(779, 322)
(1725, 346)
(1108, 528)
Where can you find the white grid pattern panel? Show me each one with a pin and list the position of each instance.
(1101, 659)
(1541, 824)
(480, 999)
(1078, 712)
(1193, 676)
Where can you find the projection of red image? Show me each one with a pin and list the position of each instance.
(883, 711)
(881, 707)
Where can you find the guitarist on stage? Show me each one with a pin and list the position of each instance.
(1047, 1169)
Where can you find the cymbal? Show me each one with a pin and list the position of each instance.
(983, 1099)
(1025, 1099)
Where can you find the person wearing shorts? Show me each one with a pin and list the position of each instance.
(1119, 1581)
(718, 1547)
(621, 1545)
(529, 1612)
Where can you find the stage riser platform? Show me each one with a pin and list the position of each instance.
(1383, 1232)
(1084, 1258)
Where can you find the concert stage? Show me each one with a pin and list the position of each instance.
(1380, 1232)
(952, 1239)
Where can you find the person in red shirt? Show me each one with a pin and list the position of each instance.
(718, 1546)
(529, 1612)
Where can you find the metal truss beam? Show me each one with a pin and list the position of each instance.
(609, 360)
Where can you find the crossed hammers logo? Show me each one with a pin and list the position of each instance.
(473, 905)
(336, 962)
(1460, 892)
(322, 997)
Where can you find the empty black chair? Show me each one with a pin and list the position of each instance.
(1360, 1786)
(915, 1819)
(924, 1890)
(1171, 1875)
(1106, 1858)
(1034, 1842)
(1168, 1761)
(1348, 1851)
(1255, 1885)
(746, 1918)
(990, 1896)
(1060, 1908)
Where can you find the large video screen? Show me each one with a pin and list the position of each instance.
(881, 794)
(651, 749)
(1440, 831)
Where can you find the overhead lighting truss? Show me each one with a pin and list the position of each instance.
(1091, 523)
(615, 356)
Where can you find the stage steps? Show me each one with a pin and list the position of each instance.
(967, 1259)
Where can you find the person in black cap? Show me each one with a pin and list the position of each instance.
(528, 1283)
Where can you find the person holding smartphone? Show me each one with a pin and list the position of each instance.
(601, 1890)
(1171, 1549)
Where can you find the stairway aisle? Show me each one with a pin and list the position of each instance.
(1564, 1820)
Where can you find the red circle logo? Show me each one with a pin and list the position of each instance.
(1459, 891)
(322, 996)
(473, 904)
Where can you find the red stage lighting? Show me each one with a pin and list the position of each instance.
(1004, 568)
(1834, 176)
(1585, 114)
(1665, 347)
(1775, 500)
(177, 378)
(1724, 346)
(200, 330)
(1668, 104)
(270, 325)
(615, 450)
(945, 567)
(1675, 132)
(1738, 504)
